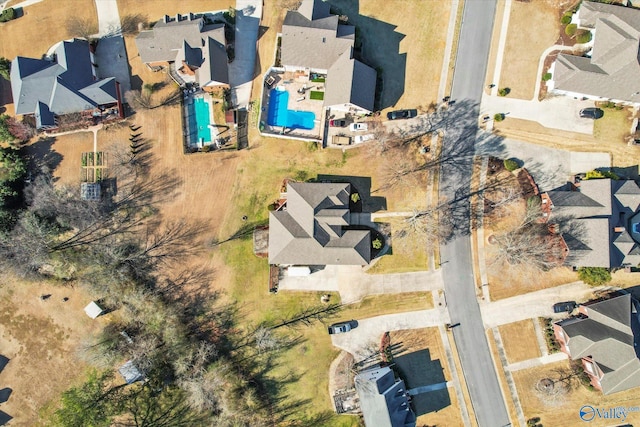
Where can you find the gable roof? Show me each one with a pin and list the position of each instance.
(202, 47)
(613, 69)
(316, 43)
(351, 82)
(63, 86)
(601, 214)
(383, 399)
(608, 336)
(311, 230)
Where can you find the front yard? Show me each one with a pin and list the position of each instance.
(614, 127)
(520, 342)
(564, 410)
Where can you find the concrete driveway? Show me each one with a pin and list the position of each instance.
(557, 112)
(365, 339)
(353, 283)
(534, 304)
(248, 16)
(550, 167)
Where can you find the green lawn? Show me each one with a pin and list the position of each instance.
(316, 95)
(614, 126)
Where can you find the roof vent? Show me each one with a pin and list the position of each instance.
(166, 18)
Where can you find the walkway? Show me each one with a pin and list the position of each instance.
(241, 70)
(509, 378)
(538, 361)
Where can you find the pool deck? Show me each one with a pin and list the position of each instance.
(291, 82)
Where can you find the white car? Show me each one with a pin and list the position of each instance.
(362, 138)
(358, 127)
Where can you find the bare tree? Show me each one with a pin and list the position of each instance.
(130, 24)
(265, 339)
(81, 27)
(430, 226)
(148, 100)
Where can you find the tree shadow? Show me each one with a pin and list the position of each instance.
(4, 394)
(4, 418)
(418, 370)
(3, 362)
(42, 157)
(6, 96)
(377, 45)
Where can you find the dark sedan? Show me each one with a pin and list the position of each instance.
(338, 123)
(591, 113)
(401, 114)
(566, 306)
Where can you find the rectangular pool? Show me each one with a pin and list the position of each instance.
(280, 115)
(199, 120)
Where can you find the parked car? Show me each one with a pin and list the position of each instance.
(591, 113)
(401, 114)
(566, 306)
(362, 138)
(339, 328)
(358, 127)
(338, 123)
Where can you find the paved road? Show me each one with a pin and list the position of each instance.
(457, 267)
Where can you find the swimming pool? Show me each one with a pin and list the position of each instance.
(199, 120)
(280, 115)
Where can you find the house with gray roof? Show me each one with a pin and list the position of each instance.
(313, 228)
(383, 399)
(611, 69)
(63, 83)
(600, 222)
(604, 336)
(195, 52)
(315, 41)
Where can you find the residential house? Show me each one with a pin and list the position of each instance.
(610, 70)
(604, 337)
(599, 222)
(313, 228)
(383, 399)
(63, 83)
(194, 52)
(315, 41)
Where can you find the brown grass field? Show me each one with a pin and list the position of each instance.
(519, 339)
(156, 9)
(418, 340)
(565, 412)
(522, 50)
(41, 340)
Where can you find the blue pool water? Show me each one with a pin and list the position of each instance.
(199, 120)
(279, 115)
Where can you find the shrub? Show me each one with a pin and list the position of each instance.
(5, 68)
(546, 77)
(584, 37)
(504, 91)
(206, 148)
(510, 165)
(376, 244)
(570, 30)
(8, 15)
(498, 117)
(596, 174)
(594, 276)
(566, 19)
(355, 197)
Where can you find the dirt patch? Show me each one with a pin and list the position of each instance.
(40, 339)
(523, 50)
(520, 342)
(565, 410)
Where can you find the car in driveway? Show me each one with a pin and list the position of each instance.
(340, 123)
(566, 306)
(340, 327)
(358, 127)
(359, 139)
(591, 113)
(401, 114)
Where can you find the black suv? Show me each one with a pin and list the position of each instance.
(401, 114)
(567, 306)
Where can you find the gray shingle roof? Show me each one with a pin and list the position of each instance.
(383, 400)
(350, 81)
(602, 211)
(613, 70)
(64, 86)
(201, 46)
(310, 231)
(608, 336)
